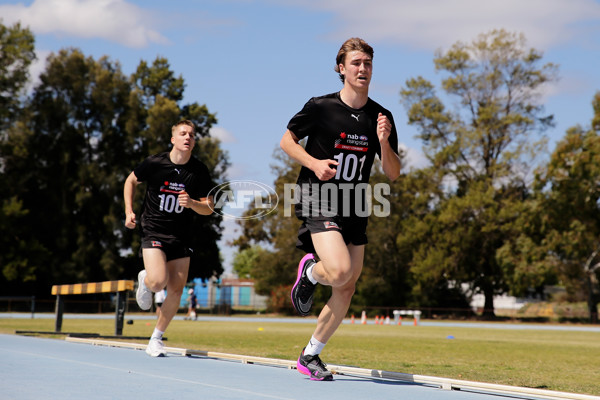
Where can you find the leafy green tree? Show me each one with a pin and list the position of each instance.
(246, 260)
(482, 148)
(22, 253)
(84, 128)
(524, 255)
(397, 270)
(17, 47)
(560, 224)
(570, 196)
(77, 114)
(383, 280)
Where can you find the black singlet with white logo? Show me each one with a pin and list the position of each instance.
(162, 215)
(338, 132)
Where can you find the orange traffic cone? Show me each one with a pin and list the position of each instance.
(377, 320)
(352, 319)
(415, 321)
(400, 320)
(363, 318)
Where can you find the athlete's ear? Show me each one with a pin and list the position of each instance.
(172, 139)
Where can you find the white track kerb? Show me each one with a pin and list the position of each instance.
(442, 383)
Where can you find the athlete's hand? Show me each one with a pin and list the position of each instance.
(185, 200)
(384, 127)
(323, 169)
(130, 220)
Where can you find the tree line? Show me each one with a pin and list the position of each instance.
(66, 147)
(489, 214)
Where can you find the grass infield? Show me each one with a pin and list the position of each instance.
(567, 361)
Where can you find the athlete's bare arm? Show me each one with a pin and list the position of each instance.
(322, 168)
(390, 162)
(202, 206)
(128, 192)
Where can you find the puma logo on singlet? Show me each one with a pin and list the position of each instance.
(354, 116)
(177, 170)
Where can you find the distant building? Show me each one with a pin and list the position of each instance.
(226, 292)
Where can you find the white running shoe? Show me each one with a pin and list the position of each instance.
(143, 294)
(156, 348)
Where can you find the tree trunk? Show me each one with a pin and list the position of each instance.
(488, 305)
(592, 307)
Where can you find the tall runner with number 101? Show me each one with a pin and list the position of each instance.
(345, 131)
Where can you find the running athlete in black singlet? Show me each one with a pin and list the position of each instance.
(165, 223)
(348, 136)
(345, 130)
(177, 184)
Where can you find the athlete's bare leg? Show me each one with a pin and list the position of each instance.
(172, 274)
(178, 273)
(155, 263)
(332, 271)
(334, 268)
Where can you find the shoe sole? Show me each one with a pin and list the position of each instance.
(157, 355)
(300, 269)
(140, 281)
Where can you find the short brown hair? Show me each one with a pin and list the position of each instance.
(183, 122)
(352, 44)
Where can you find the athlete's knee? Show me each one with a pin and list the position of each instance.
(346, 291)
(340, 273)
(155, 283)
(176, 287)
(176, 292)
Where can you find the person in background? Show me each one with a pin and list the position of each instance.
(177, 186)
(159, 298)
(192, 303)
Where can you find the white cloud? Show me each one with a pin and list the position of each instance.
(36, 68)
(415, 159)
(114, 20)
(434, 23)
(222, 134)
(238, 171)
(570, 84)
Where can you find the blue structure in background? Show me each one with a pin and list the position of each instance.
(218, 292)
(244, 296)
(221, 295)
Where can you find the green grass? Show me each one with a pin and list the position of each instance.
(566, 361)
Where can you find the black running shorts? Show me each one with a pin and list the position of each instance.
(353, 230)
(172, 248)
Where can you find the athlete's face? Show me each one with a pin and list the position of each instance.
(183, 138)
(357, 69)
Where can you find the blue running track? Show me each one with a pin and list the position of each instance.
(40, 368)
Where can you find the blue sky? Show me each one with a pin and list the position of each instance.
(256, 62)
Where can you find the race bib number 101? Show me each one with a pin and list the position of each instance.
(348, 166)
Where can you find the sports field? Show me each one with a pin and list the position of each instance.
(554, 357)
